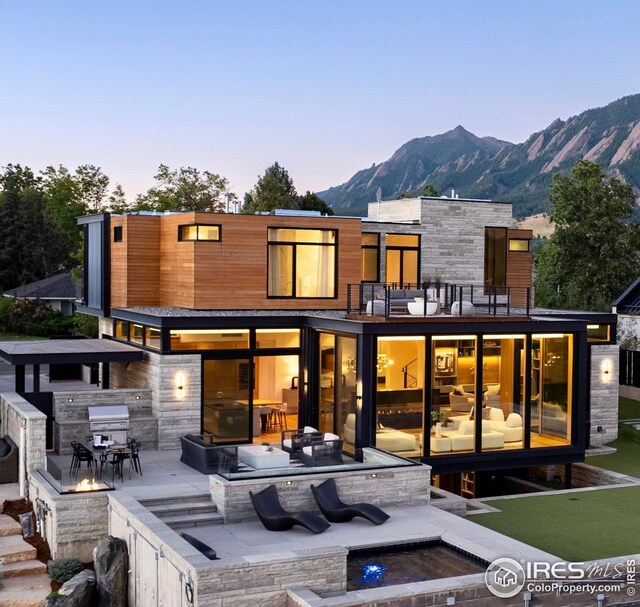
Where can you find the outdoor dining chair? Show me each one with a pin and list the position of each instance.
(275, 518)
(336, 511)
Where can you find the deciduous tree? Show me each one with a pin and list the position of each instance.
(594, 253)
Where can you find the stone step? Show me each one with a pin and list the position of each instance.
(163, 501)
(8, 526)
(13, 549)
(22, 568)
(193, 520)
(25, 591)
(191, 507)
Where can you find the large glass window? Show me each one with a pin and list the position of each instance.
(302, 263)
(551, 389)
(327, 385)
(453, 401)
(199, 232)
(370, 257)
(400, 395)
(226, 408)
(403, 259)
(209, 339)
(137, 333)
(278, 338)
(502, 392)
(152, 338)
(495, 257)
(121, 329)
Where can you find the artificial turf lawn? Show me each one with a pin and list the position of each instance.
(576, 526)
(626, 459)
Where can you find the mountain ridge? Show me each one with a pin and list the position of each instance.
(487, 167)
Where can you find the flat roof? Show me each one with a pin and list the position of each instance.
(62, 351)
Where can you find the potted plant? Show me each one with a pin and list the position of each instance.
(267, 447)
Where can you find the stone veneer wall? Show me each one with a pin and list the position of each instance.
(582, 475)
(161, 563)
(175, 415)
(471, 591)
(604, 394)
(75, 523)
(21, 419)
(401, 486)
(72, 418)
(452, 234)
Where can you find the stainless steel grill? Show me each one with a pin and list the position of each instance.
(111, 421)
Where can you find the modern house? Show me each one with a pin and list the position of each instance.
(627, 307)
(412, 330)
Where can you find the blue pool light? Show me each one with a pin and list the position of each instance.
(372, 573)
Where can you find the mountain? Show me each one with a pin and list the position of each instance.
(490, 168)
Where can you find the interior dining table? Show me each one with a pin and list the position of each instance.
(261, 409)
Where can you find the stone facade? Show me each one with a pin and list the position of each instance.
(72, 417)
(400, 486)
(604, 394)
(177, 412)
(27, 427)
(75, 523)
(582, 475)
(451, 230)
(162, 564)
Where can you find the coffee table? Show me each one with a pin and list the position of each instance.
(254, 456)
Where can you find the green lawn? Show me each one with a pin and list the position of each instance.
(9, 336)
(626, 459)
(575, 526)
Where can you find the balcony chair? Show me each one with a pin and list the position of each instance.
(336, 511)
(324, 452)
(275, 518)
(292, 439)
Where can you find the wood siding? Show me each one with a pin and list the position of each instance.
(229, 274)
(519, 267)
(135, 262)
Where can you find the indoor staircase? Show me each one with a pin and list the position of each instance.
(185, 511)
(26, 583)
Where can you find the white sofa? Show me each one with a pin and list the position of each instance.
(387, 439)
(511, 428)
(463, 439)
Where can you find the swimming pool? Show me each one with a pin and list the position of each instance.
(407, 563)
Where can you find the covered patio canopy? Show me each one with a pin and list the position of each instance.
(64, 351)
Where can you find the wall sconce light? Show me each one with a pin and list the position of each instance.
(289, 483)
(137, 397)
(69, 400)
(374, 475)
(180, 384)
(605, 368)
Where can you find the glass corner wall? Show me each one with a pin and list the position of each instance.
(400, 364)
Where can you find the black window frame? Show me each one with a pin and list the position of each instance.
(294, 245)
(402, 248)
(117, 234)
(370, 247)
(198, 226)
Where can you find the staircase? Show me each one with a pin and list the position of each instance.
(26, 583)
(185, 511)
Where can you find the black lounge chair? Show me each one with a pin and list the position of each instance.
(275, 518)
(336, 511)
(209, 552)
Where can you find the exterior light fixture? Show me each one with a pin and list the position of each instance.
(69, 400)
(289, 482)
(137, 397)
(605, 368)
(180, 380)
(374, 475)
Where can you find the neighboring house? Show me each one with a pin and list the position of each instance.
(57, 291)
(237, 310)
(627, 306)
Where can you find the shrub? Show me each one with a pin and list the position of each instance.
(63, 569)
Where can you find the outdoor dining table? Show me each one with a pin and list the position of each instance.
(115, 449)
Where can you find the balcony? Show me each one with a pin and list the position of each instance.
(436, 301)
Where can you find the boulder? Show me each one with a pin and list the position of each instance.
(111, 563)
(76, 592)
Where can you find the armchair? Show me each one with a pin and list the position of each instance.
(323, 452)
(292, 439)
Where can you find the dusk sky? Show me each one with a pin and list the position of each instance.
(325, 88)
